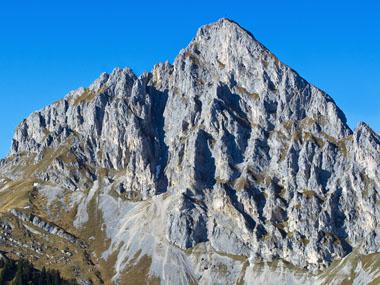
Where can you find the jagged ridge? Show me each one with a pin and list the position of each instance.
(227, 147)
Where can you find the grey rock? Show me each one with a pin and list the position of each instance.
(261, 163)
(45, 226)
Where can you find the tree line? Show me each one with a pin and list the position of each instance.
(22, 272)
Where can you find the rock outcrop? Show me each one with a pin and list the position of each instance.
(226, 147)
(45, 226)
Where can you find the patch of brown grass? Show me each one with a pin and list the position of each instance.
(86, 96)
(221, 64)
(138, 272)
(242, 90)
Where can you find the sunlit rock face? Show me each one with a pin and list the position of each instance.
(224, 159)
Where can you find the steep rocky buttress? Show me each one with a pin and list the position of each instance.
(225, 165)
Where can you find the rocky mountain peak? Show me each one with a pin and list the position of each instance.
(226, 28)
(227, 156)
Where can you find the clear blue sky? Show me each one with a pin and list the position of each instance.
(50, 47)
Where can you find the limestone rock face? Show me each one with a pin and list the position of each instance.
(227, 147)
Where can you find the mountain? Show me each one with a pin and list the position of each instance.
(225, 167)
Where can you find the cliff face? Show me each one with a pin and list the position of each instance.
(204, 168)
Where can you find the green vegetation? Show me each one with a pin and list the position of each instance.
(22, 272)
(305, 241)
